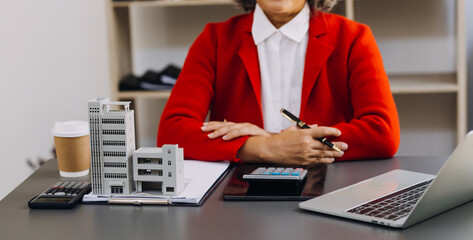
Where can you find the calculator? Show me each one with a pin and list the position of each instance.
(61, 195)
(276, 173)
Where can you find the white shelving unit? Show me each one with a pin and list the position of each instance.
(433, 83)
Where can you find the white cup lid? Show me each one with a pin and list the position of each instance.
(70, 129)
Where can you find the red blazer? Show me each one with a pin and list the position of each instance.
(344, 86)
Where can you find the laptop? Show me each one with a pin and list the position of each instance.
(401, 198)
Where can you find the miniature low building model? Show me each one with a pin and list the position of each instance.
(159, 169)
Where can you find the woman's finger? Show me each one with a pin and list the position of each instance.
(318, 132)
(245, 129)
(341, 145)
(219, 132)
(230, 130)
(325, 153)
(214, 125)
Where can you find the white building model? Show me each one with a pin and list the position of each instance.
(113, 155)
(112, 142)
(159, 169)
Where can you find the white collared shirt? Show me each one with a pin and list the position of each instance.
(281, 54)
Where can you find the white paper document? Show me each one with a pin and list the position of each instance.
(199, 177)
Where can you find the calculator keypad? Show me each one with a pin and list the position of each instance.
(273, 173)
(66, 188)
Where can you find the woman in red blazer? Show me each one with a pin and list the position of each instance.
(345, 91)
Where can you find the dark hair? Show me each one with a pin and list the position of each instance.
(320, 5)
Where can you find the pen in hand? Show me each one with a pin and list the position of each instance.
(302, 124)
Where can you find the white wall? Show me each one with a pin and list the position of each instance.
(53, 59)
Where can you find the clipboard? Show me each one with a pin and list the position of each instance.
(200, 180)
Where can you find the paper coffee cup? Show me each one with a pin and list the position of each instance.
(72, 148)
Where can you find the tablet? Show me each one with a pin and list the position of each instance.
(239, 189)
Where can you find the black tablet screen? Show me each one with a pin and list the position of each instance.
(240, 189)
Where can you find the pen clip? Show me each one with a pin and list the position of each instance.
(301, 124)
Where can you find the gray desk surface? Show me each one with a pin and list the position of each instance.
(218, 219)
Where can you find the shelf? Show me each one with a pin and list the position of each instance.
(170, 3)
(423, 83)
(400, 84)
(144, 94)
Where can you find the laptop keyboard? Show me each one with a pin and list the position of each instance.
(395, 205)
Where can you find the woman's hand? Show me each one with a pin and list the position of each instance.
(231, 130)
(293, 146)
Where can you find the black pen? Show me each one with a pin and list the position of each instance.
(302, 124)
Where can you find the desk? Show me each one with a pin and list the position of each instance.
(218, 219)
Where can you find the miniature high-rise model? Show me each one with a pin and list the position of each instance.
(159, 169)
(112, 142)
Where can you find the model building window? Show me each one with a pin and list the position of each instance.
(117, 189)
(169, 189)
(169, 174)
(169, 163)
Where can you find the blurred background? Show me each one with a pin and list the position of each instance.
(55, 55)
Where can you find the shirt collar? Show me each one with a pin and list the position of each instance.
(295, 29)
(298, 27)
(262, 28)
